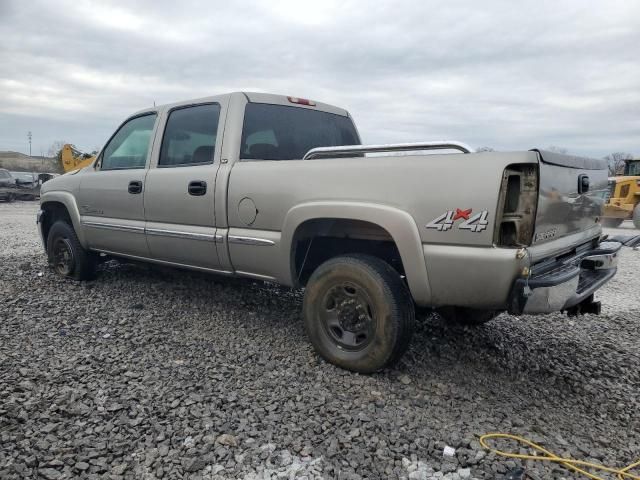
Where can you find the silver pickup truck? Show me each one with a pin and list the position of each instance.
(279, 189)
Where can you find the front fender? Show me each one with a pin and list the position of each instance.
(399, 224)
(68, 200)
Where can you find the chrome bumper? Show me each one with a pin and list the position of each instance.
(565, 285)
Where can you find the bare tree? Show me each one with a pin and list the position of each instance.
(616, 162)
(55, 150)
(556, 149)
(56, 147)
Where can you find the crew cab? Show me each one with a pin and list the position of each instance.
(280, 189)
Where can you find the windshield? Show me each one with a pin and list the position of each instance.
(28, 177)
(632, 168)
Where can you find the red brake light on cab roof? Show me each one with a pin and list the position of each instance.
(302, 101)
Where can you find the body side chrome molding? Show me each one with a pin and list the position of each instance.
(156, 231)
(242, 240)
(111, 226)
(208, 237)
(257, 276)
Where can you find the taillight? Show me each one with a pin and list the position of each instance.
(302, 101)
(517, 206)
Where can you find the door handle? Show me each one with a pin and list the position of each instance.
(135, 186)
(197, 188)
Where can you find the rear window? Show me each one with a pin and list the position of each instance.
(277, 132)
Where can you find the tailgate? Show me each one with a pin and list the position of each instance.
(564, 205)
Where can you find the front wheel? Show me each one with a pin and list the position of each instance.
(358, 313)
(66, 255)
(636, 216)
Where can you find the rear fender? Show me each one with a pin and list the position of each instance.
(399, 224)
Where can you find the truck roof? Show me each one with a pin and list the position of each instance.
(253, 97)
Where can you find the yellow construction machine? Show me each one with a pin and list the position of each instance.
(74, 159)
(623, 202)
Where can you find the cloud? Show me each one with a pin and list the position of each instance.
(497, 73)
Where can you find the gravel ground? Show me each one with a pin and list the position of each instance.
(155, 373)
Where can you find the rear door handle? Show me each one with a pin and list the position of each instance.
(135, 186)
(197, 188)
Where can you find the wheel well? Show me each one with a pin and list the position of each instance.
(316, 241)
(54, 211)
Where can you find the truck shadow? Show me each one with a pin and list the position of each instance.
(508, 356)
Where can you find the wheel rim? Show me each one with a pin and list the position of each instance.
(63, 259)
(348, 317)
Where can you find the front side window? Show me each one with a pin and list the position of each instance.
(278, 132)
(190, 136)
(129, 146)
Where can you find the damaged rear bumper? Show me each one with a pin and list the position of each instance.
(565, 284)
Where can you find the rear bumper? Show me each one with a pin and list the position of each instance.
(564, 285)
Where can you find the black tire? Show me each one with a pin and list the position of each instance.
(612, 222)
(11, 197)
(358, 313)
(636, 216)
(467, 316)
(66, 255)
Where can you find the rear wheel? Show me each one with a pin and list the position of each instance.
(358, 313)
(467, 316)
(612, 222)
(66, 255)
(636, 216)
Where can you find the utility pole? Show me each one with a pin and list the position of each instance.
(29, 137)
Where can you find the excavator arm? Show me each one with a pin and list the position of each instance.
(73, 159)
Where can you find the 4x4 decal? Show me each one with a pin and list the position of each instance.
(474, 223)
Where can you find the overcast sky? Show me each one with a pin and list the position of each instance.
(510, 75)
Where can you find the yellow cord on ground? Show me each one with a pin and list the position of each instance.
(547, 456)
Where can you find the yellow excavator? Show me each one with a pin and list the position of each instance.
(623, 198)
(74, 159)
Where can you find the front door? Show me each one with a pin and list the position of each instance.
(180, 187)
(110, 199)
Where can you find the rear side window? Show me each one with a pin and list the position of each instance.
(190, 136)
(129, 146)
(277, 132)
(4, 174)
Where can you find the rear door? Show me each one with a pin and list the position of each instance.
(572, 195)
(110, 197)
(180, 187)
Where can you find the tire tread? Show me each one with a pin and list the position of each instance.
(85, 263)
(402, 304)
